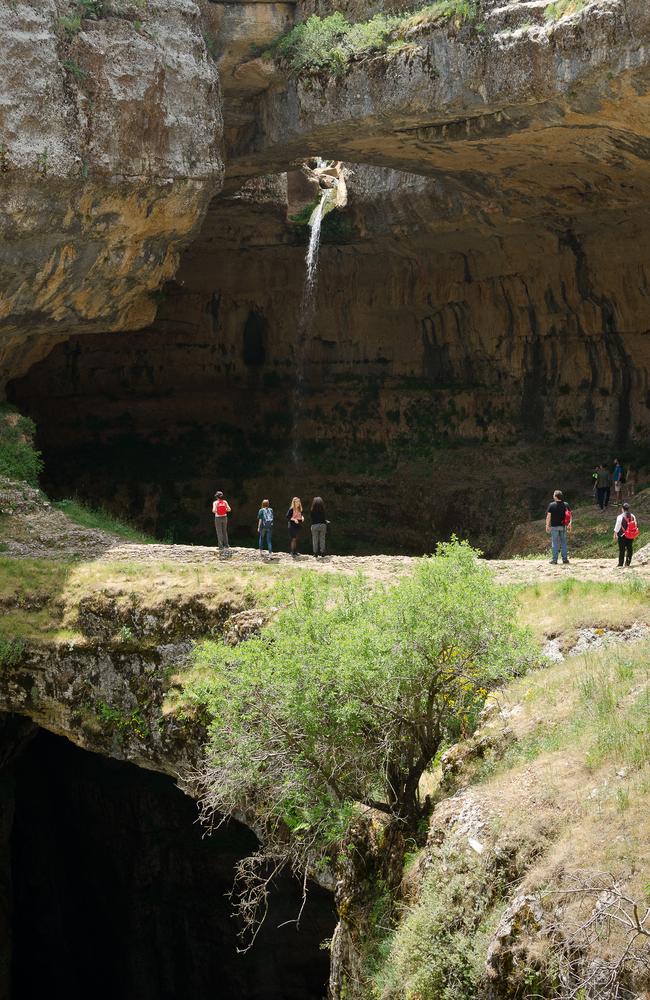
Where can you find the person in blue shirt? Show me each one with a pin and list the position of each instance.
(618, 479)
(265, 527)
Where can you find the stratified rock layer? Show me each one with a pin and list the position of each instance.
(110, 140)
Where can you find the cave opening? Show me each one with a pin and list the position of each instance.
(458, 368)
(112, 889)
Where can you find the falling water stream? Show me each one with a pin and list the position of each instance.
(307, 307)
(311, 262)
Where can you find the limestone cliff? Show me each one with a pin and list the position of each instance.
(110, 149)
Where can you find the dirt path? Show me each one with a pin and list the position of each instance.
(380, 567)
(33, 529)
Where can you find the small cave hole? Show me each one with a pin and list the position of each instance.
(254, 345)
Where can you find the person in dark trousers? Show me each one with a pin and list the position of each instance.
(221, 509)
(319, 524)
(265, 527)
(603, 485)
(294, 523)
(626, 530)
(558, 522)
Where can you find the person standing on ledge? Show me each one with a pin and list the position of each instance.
(294, 523)
(626, 530)
(558, 522)
(619, 479)
(603, 485)
(221, 509)
(318, 526)
(265, 527)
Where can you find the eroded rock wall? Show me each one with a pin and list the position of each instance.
(110, 149)
(457, 374)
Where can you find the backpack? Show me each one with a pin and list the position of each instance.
(631, 529)
(567, 515)
(221, 508)
(267, 517)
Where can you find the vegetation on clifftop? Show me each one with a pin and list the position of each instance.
(327, 46)
(345, 699)
(19, 459)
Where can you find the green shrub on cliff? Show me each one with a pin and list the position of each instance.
(326, 46)
(347, 696)
(19, 459)
(562, 8)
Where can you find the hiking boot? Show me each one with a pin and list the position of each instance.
(565, 562)
(553, 562)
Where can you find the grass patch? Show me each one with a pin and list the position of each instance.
(552, 609)
(562, 8)
(598, 704)
(328, 46)
(101, 520)
(30, 599)
(19, 459)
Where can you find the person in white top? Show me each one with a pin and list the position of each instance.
(626, 530)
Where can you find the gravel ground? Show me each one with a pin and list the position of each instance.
(33, 528)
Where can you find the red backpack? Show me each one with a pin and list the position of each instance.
(631, 527)
(567, 515)
(221, 508)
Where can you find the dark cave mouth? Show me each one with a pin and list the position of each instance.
(111, 889)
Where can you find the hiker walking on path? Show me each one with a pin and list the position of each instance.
(603, 486)
(294, 522)
(558, 522)
(319, 524)
(626, 530)
(265, 527)
(221, 509)
(619, 479)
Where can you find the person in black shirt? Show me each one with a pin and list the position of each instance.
(558, 522)
(318, 526)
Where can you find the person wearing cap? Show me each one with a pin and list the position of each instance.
(221, 509)
(626, 530)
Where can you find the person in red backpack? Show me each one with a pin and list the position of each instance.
(626, 530)
(221, 509)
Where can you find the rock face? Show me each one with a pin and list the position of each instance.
(110, 142)
(485, 290)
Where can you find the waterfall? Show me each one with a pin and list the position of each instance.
(311, 259)
(307, 306)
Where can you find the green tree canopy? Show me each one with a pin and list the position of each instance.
(348, 695)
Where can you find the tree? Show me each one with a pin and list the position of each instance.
(345, 699)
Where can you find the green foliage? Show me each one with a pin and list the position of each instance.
(123, 722)
(74, 69)
(346, 697)
(335, 226)
(92, 9)
(438, 950)
(19, 459)
(610, 707)
(101, 520)
(81, 9)
(11, 651)
(70, 23)
(326, 46)
(562, 8)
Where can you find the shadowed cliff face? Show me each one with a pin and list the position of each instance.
(115, 891)
(480, 329)
(459, 373)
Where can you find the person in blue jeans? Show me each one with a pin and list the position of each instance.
(558, 523)
(265, 527)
